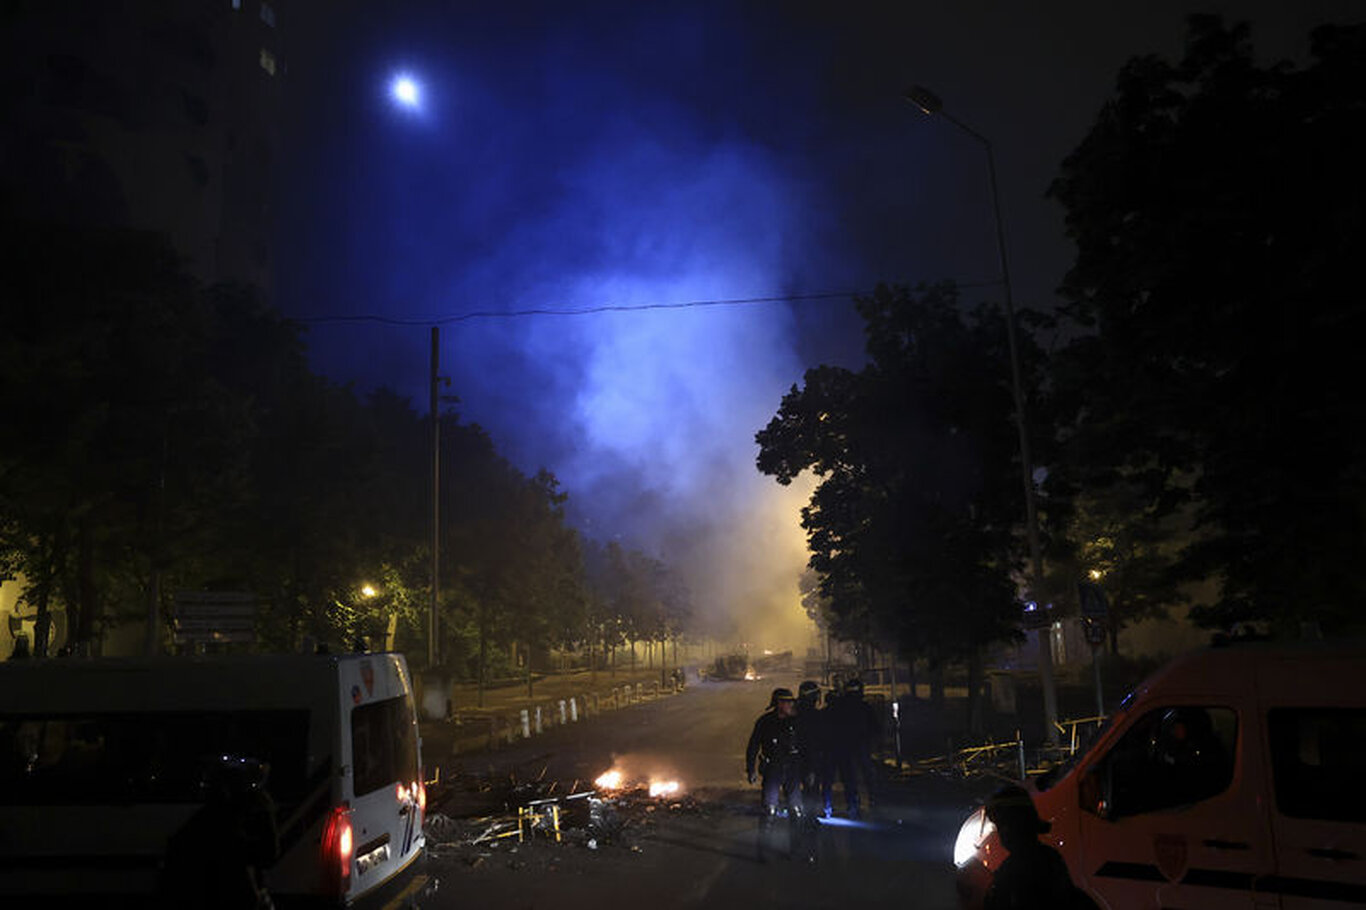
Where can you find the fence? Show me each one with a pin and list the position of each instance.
(476, 730)
(1007, 759)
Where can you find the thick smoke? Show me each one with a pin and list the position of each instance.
(591, 166)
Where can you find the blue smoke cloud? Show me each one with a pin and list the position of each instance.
(567, 156)
(587, 163)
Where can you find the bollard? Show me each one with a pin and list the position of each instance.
(526, 724)
(573, 710)
(564, 718)
(1019, 741)
(640, 691)
(538, 720)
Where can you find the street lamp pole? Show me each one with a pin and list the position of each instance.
(930, 104)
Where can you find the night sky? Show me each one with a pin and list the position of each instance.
(576, 156)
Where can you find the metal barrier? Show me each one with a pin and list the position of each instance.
(491, 730)
(1069, 729)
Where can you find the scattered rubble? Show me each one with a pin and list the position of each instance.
(475, 818)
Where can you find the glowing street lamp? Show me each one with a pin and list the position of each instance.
(406, 92)
(368, 590)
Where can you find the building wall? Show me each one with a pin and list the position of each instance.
(16, 620)
(153, 114)
(158, 115)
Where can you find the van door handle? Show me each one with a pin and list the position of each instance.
(1216, 844)
(403, 809)
(1328, 853)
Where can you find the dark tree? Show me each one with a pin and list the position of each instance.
(913, 526)
(1218, 210)
(120, 441)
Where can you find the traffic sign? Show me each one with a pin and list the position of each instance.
(1093, 602)
(218, 616)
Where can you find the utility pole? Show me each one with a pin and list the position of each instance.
(436, 498)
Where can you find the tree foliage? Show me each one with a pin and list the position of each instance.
(1217, 207)
(165, 437)
(912, 527)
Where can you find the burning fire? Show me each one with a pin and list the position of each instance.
(615, 779)
(608, 780)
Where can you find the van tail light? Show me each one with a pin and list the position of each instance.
(338, 846)
(422, 799)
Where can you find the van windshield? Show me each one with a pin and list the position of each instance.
(144, 757)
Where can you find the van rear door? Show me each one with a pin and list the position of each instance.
(1316, 737)
(387, 792)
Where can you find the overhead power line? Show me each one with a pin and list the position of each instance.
(581, 311)
(587, 311)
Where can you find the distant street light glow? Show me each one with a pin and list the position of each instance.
(406, 91)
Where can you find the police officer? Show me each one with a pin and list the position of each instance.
(1034, 875)
(854, 730)
(812, 739)
(774, 751)
(216, 860)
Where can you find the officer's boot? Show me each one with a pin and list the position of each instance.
(768, 818)
(802, 833)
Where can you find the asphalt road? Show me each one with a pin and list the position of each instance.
(697, 850)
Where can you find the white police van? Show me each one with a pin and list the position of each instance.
(1233, 777)
(100, 764)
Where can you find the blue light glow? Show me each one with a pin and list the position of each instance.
(405, 90)
(835, 821)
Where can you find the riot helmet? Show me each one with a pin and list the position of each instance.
(781, 693)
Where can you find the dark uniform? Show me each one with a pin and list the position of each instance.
(813, 744)
(1034, 875)
(854, 728)
(215, 861)
(774, 751)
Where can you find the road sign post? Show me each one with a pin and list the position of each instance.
(1095, 610)
(219, 617)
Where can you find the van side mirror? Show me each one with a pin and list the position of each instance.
(1092, 792)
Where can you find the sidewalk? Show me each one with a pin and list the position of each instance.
(508, 715)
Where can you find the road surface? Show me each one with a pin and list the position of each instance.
(689, 852)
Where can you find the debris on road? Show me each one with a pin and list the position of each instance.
(527, 813)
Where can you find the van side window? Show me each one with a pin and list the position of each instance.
(383, 745)
(145, 757)
(1317, 755)
(1171, 757)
